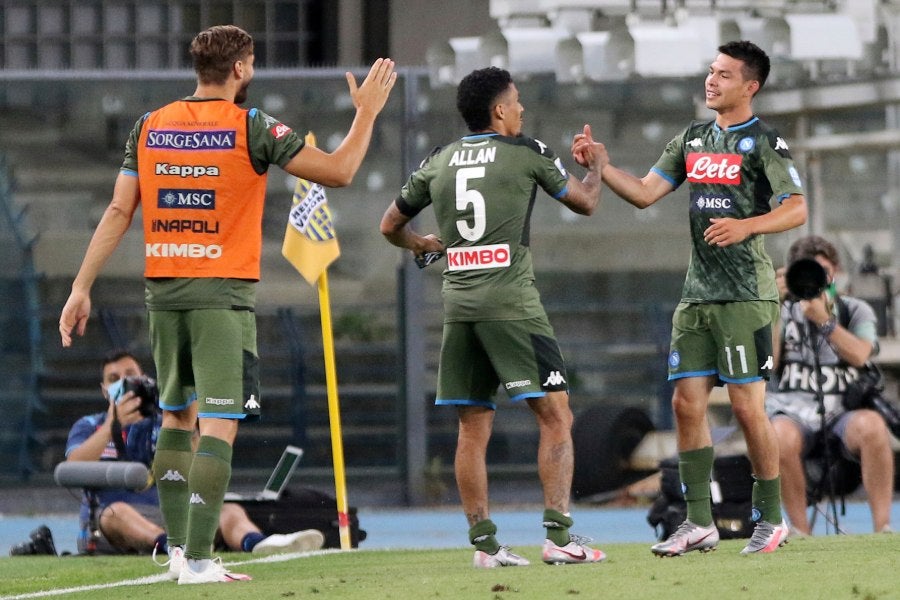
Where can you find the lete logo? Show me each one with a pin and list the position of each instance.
(703, 167)
(279, 131)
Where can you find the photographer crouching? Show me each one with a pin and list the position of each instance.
(823, 332)
(129, 521)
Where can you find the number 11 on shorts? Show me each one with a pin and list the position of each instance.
(741, 354)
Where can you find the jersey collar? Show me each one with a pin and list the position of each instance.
(743, 125)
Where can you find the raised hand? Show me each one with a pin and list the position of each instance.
(376, 87)
(587, 152)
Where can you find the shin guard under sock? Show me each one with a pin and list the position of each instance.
(695, 468)
(766, 500)
(208, 481)
(171, 466)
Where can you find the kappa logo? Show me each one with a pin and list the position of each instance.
(172, 476)
(196, 499)
(252, 403)
(780, 144)
(555, 378)
(695, 143)
(770, 363)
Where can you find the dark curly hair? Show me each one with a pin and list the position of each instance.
(477, 94)
(756, 61)
(812, 246)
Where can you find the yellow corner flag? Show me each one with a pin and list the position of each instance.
(310, 241)
(310, 244)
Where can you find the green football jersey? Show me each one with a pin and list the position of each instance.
(483, 188)
(731, 173)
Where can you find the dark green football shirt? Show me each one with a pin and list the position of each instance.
(731, 173)
(483, 189)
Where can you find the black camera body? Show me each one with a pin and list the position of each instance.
(867, 392)
(145, 388)
(40, 541)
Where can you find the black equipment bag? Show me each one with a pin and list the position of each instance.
(733, 476)
(303, 508)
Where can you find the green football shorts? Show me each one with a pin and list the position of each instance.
(477, 356)
(732, 340)
(207, 355)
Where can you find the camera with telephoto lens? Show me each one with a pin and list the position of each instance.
(40, 541)
(144, 387)
(805, 279)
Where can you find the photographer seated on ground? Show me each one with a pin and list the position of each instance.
(842, 329)
(131, 522)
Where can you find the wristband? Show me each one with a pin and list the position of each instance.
(827, 328)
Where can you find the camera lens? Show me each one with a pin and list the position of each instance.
(806, 278)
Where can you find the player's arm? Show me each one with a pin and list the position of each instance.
(337, 169)
(636, 191)
(112, 228)
(395, 228)
(790, 213)
(640, 192)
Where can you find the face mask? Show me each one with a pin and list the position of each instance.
(116, 390)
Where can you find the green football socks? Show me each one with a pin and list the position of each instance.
(481, 535)
(695, 468)
(171, 466)
(766, 498)
(557, 525)
(208, 481)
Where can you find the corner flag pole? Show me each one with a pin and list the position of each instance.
(334, 414)
(310, 245)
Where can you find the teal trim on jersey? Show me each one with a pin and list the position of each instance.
(739, 126)
(527, 395)
(562, 193)
(476, 136)
(129, 172)
(664, 176)
(694, 374)
(252, 112)
(462, 402)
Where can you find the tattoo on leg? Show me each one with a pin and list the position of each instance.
(475, 517)
(560, 482)
(561, 452)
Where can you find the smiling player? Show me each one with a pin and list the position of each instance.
(722, 328)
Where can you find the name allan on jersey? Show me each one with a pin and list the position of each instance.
(472, 156)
